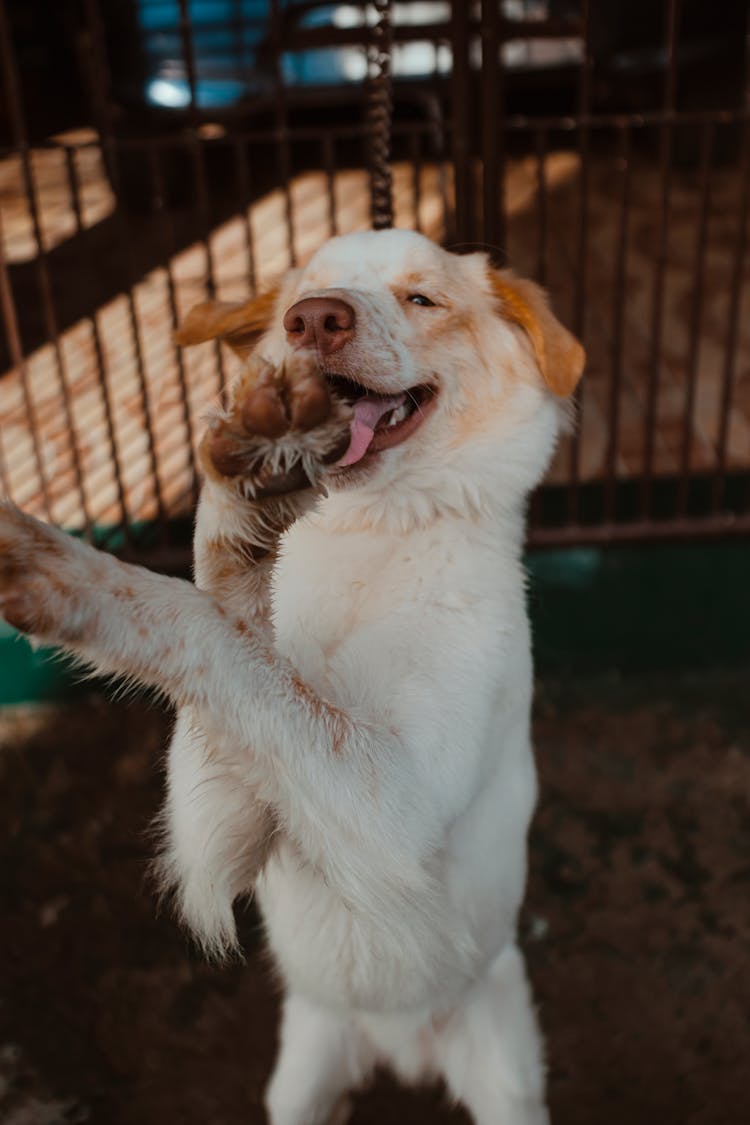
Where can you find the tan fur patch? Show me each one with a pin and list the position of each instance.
(450, 322)
(335, 720)
(238, 325)
(411, 282)
(559, 355)
(337, 729)
(304, 692)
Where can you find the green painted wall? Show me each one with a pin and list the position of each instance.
(678, 605)
(31, 674)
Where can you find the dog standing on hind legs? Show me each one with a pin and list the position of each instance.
(353, 672)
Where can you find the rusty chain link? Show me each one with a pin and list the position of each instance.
(380, 116)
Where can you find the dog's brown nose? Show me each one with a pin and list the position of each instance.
(324, 323)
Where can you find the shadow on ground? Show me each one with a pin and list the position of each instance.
(636, 926)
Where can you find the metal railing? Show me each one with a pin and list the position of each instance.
(617, 172)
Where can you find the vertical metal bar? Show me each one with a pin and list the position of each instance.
(158, 179)
(188, 54)
(730, 355)
(18, 127)
(435, 136)
(436, 127)
(100, 80)
(691, 361)
(541, 170)
(618, 316)
(493, 132)
(102, 372)
(657, 302)
(75, 197)
(10, 320)
(461, 121)
(236, 26)
(243, 181)
(581, 276)
(5, 309)
(329, 163)
(416, 178)
(4, 478)
(282, 129)
(135, 329)
(198, 158)
(584, 110)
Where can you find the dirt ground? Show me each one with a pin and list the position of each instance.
(636, 925)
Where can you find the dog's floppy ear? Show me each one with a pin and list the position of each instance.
(559, 355)
(238, 325)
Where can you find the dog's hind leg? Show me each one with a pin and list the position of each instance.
(215, 835)
(490, 1051)
(322, 1057)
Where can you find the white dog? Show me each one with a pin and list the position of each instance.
(354, 675)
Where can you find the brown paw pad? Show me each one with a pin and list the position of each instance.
(309, 401)
(291, 403)
(272, 401)
(225, 452)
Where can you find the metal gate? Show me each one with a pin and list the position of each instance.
(156, 151)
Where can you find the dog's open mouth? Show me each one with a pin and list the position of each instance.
(379, 421)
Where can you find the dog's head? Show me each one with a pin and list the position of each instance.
(451, 366)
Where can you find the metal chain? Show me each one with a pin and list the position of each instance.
(380, 116)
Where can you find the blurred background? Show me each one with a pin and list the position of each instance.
(155, 152)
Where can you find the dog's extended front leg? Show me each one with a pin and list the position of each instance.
(303, 756)
(162, 632)
(121, 618)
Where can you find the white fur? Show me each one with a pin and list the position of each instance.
(398, 865)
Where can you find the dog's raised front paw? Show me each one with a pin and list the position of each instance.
(283, 427)
(33, 558)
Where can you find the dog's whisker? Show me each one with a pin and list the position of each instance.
(417, 404)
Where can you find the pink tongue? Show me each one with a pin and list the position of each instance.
(367, 414)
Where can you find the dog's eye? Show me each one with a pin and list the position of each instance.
(420, 299)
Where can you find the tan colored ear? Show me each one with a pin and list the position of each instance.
(560, 357)
(238, 325)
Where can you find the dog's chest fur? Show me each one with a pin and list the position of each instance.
(424, 635)
(358, 611)
(327, 588)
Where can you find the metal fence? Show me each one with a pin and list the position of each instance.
(156, 152)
